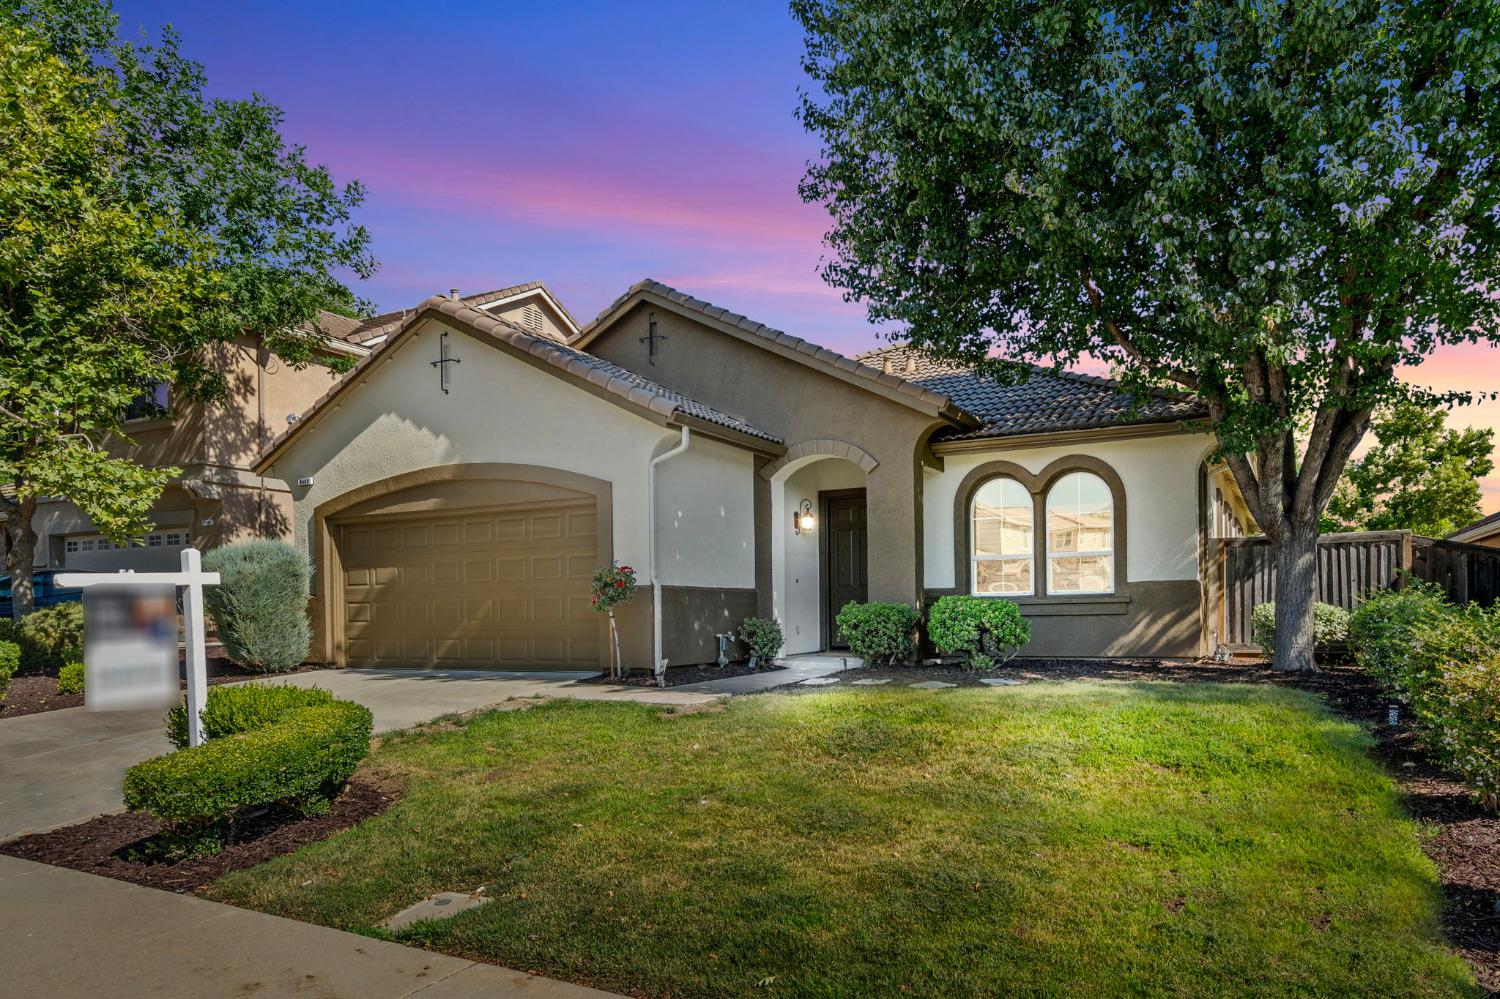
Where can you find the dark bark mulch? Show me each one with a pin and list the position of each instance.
(1463, 839)
(33, 694)
(678, 675)
(100, 846)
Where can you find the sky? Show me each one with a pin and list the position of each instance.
(585, 144)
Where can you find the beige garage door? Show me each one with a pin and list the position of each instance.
(496, 588)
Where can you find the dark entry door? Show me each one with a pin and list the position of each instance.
(844, 555)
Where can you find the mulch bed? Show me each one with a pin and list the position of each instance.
(98, 846)
(1463, 839)
(33, 694)
(678, 675)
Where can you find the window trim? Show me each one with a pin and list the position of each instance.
(1039, 485)
(975, 558)
(1114, 531)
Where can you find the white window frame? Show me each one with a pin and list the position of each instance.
(1109, 553)
(975, 558)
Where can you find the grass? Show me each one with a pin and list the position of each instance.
(1069, 839)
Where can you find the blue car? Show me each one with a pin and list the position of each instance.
(44, 591)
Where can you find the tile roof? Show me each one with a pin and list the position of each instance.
(615, 380)
(1047, 402)
(810, 352)
(388, 322)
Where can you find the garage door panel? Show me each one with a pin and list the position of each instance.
(473, 588)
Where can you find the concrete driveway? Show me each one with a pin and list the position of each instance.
(62, 767)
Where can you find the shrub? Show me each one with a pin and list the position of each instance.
(878, 632)
(260, 604)
(1330, 626)
(70, 679)
(10, 661)
(244, 707)
(52, 637)
(1383, 630)
(301, 760)
(1460, 720)
(763, 636)
(10, 630)
(986, 628)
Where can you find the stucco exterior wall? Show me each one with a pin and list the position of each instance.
(798, 404)
(1160, 475)
(1156, 609)
(705, 516)
(497, 409)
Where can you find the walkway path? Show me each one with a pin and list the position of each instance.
(798, 668)
(63, 933)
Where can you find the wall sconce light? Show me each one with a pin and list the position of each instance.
(802, 518)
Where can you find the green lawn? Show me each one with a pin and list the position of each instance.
(1065, 839)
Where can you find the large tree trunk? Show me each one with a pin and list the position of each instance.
(1296, 551)
(19, 555)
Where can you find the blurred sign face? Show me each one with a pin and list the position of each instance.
(130, 647)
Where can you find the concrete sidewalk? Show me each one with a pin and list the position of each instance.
(63, 933)
(798, 668)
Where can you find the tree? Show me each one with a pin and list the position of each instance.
(1267, 204)
(141, 222)
(1420, 476)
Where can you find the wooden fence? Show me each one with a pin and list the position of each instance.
(1350, 565)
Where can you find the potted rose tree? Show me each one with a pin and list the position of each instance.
(612, 586)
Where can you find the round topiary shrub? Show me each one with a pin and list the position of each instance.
(1330, 626)
(988, 630)
(763, 637)
(260, 604)
(879, 632)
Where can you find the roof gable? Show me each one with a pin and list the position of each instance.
(561, 325)
(626, 388)
(766, 337)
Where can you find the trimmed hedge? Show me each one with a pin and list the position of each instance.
(878, 632)
(985, 628)
(1443, 662)
(260, 604)
(244, 707)
(301, 759)
(10, 661)
(70, 679)
(52, 637)
(1330, 626)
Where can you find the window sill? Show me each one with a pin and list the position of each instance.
(144, 423)
(1074, 606)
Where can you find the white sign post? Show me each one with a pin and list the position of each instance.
(192, 579)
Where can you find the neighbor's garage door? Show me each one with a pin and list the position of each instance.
(480, 588)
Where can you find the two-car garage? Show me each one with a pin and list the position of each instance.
(497, 587)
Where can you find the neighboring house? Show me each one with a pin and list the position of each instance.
(1485, 531)
(458, 488)
(217, 498)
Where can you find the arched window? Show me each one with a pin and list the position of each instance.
(1002, 539)
(1080, 535)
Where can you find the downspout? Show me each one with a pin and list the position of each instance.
(658, 667)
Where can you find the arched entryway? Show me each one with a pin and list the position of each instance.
(819, 540)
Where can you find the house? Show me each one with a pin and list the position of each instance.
(216, 498)
(457, 489)
(1485, 531)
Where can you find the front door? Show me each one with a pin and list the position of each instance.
(844, 560)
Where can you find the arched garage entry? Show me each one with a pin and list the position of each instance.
(482, 566)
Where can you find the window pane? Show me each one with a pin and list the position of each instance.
(1081, 574)
(1011, 575)
(1002, 519)
(1080, 515)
